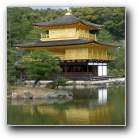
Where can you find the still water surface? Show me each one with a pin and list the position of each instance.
(90, 106)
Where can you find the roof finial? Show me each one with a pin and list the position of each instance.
(69, 12)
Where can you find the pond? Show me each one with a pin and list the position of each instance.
(89, 107)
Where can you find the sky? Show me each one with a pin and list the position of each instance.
(52, 7)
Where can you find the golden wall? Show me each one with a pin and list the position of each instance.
(82, 53)
(67, 33)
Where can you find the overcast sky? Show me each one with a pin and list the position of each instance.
(45, 7)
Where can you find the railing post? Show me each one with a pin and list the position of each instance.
(95, 37)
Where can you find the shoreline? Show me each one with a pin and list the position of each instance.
(40, 92)
(81, 82)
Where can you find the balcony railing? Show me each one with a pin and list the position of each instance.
(85, 57)
(64, 36)
(101, 57)
(76, 57)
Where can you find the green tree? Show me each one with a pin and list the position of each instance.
(40, 65)
(122, 73)
(12, 57)
(115, 72)
(34, 35)
(119, 62)
(104, 36)
(112, 18)
(60, 81)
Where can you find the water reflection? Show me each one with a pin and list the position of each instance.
(14, 101)
(102, 96)
(27, 101)
(57, 101)
(90, 106)
(94, 96)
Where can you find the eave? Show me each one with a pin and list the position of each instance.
(63, 44)
(68, 21)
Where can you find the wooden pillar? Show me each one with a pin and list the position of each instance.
(66, 68)
(82, 68)
(21, 77)
(87, 68)
(71, 68)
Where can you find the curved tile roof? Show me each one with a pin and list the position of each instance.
(55, 43)
(67, 20)
(61, 43)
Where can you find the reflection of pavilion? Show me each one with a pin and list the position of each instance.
(99, 99)
(102, 96)
(77, 115)
(73, 115)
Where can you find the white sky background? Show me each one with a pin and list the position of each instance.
(51, 7)
(131, 131)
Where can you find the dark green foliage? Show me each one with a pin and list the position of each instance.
(119, 54)
(60, 81)
(12, 56)
(119, 62)
(34, 35)
(105, 37)
(112, 18)
(40, 65)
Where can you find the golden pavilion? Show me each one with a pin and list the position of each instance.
(81, 55)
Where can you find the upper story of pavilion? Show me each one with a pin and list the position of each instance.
(67, 27)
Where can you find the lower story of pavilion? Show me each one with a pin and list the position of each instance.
(83, 69)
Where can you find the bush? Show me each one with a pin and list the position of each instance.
(60, 81)
(122, 72)
(109, 72)
(115, 72)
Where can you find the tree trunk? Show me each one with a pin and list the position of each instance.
(35, 83)
(21, 78)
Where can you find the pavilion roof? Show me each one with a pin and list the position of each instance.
(67, 20)
(62, 43)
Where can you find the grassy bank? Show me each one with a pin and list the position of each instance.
(37, 92)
